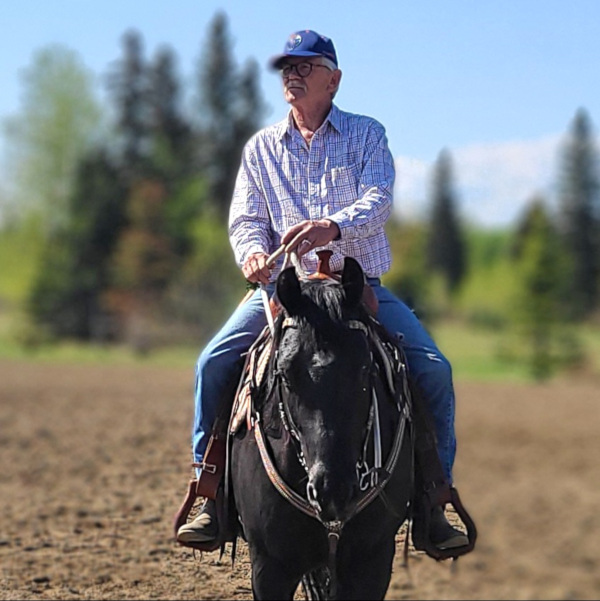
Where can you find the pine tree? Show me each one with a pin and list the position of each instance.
(230, 111)
(173, 152)
(580, 216)
(172, 136)
(128, 83)
(445, 243)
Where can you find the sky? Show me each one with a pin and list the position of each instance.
(495, 83)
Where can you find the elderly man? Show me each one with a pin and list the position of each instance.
(322, 177)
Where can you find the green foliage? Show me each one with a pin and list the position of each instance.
(408, 277)
(209, 285)
(537, 311)
(20, 251)
(73, 271)
(445, 244)
(489, 285)
(136, 227)
(186, 204)
(172, 135)
(57, 124)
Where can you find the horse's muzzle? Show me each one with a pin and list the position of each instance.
(333, 496)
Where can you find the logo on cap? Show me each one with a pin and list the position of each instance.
(294, 41)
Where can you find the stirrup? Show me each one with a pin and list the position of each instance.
(181, 518)
(420, 531)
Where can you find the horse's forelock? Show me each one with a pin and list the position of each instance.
(327, 296)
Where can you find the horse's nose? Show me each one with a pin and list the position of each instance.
(331, 495)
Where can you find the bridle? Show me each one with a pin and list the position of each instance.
(382, 472)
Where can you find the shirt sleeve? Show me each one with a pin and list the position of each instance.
(373, 206)
(249, 222)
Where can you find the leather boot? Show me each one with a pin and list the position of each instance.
(203, 528)
(442, 534)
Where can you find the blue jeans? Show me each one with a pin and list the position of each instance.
(220, 364)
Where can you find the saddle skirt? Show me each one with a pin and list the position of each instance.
(255, 368)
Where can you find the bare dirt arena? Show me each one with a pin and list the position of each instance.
(95, 462)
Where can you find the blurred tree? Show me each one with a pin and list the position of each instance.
(130, 242)
(230, 111)
(162, 202)
(67, 295)
(488, 287)
(172, 135)
(129, 86)
(174, 153)
(144, 260)
(250, 107)
(204, 292)
(407, 277)
(580, 216)
(144, 255)
(445, 245)
(58, 123)
(540, 269)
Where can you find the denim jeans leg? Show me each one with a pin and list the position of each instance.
(429, 369)
(219, 367)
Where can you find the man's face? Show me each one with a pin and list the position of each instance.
(307, 81)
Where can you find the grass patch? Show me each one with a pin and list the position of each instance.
(78, 353)
(476, 353)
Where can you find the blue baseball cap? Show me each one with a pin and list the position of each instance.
(305, 43)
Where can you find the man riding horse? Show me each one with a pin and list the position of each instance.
(321, 178)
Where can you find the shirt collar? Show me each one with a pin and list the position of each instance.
(286, 126)
(335, 118)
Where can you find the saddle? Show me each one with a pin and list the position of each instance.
(430, 486)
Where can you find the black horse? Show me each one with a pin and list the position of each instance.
(322, 480)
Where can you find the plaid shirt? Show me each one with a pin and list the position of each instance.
(346, 174)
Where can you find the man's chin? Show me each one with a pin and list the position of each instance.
(293, 94)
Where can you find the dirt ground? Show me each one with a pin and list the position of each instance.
(95, 461)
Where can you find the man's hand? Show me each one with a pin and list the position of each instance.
(255, 268)
(306, 235)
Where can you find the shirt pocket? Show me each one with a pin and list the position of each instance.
(342, 185)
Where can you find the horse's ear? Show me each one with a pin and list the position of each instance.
(353, 281)
(288, 291)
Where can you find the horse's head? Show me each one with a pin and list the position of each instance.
(324, 365)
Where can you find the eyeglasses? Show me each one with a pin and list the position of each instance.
(302, 69)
